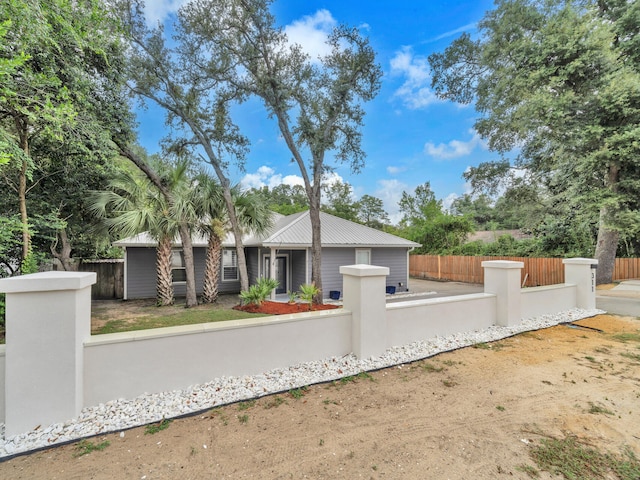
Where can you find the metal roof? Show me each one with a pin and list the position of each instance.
(294, 231)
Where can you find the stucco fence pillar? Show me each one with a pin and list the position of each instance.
(48, 318)
(502, 278)
(365, 297)
(581, 272)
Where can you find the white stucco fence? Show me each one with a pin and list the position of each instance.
(51, 367)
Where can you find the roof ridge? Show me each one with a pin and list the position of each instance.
(288, 224)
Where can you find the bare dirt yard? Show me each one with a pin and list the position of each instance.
(474, 413)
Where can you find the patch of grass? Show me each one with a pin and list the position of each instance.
(431, 368)
(500, 408)
(567, 457)
(449, 383)
(275, 402)
(633, 356)
(529, 470)
(451, 363)
(595, 409)
(246, 405)
(243, 418)
(155, 318)
(157, 427)
(591, 359)
(85, 446)
(298, 393)
(626, 337)
(495, 346)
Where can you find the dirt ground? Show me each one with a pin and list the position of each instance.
(471, 413)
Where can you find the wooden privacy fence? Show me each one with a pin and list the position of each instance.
(536, 271)
(110, 278)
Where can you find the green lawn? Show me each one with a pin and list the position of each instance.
(113, 317)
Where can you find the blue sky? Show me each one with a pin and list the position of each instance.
(410, 137)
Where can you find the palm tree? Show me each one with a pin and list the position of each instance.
(133, 205)
(253, 217)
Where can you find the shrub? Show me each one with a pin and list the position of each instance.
(308, 292)
(259, 292)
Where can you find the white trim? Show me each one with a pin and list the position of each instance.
(362, 250)
(288, 267)
(126, 279)
(222, 279)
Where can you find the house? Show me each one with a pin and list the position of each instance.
(289, 241)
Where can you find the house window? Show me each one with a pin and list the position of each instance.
(363, 256)
(229, 265)
(178, 271)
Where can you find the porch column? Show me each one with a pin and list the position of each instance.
(502, 278)
(48, 319)
(272, 270)
(581, 272)
(364, 295)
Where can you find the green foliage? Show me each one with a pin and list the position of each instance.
(154, 428)
(556, 85)
(85, 447)
(258, 292)
(567, 457)
(284, 199)
(340, 201)
(2, 310)
(308, 292)
(29, 264)
(424, 222)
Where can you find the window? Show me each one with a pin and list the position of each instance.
(178, 272)
(363, 256)
(229, 265)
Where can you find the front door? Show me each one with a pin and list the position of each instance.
(281, 272)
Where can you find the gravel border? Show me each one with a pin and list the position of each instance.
(122, 414)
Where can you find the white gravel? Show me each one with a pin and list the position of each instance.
(126, 413)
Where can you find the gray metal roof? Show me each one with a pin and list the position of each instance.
(295, 231)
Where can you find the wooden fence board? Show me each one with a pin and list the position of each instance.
(536, 271)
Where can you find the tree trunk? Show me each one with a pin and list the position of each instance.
(237, 233)
(23, 133)
(64, 256)
(212, 269)
(606, 247)
(164, 282)
(316, 246)
(190, 271)
(607, 241)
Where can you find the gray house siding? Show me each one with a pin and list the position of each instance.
(141, 269)
(253, 263)
(334, 258)
(396, 260)
(298, 269)
(141, 273)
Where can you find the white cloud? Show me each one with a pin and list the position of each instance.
(393, 170)
(455, 148)
(451, 33)
(267, 177)
(448, 200)
(415, 92)
(157, 11)
(390, 192)
(311, 33)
